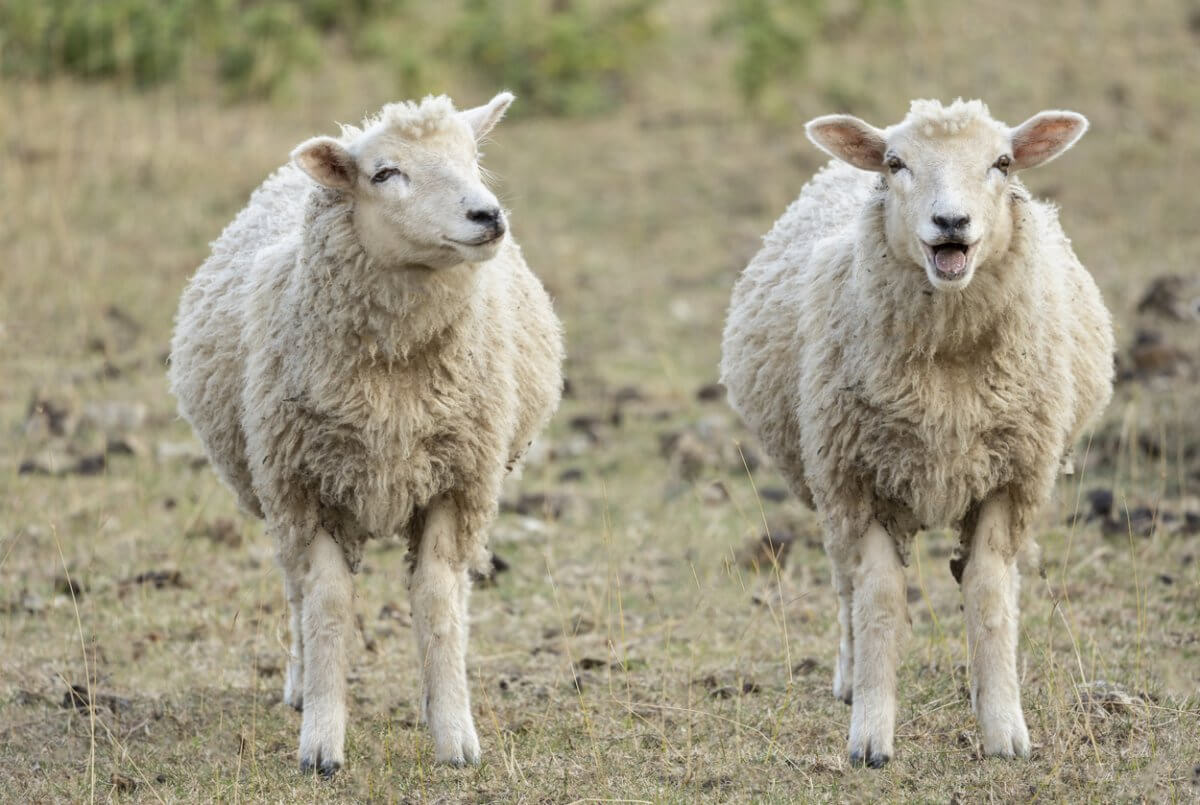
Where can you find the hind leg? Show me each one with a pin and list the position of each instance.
(843, 674)
(293, 685)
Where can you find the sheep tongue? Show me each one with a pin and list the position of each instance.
(950, 260)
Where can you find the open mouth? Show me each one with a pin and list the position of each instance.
(949, 260)
(486, 240)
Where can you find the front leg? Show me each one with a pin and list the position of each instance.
(439, 604)
(880, 612)
(325, 623)
(990, 585)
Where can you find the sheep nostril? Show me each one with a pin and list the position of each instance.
(951, 222)
(490, 216)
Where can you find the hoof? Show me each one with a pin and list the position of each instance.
(872, 760)
(325, 768)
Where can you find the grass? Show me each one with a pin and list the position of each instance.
(628, 653)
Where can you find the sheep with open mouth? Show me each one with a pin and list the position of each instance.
(917, 345)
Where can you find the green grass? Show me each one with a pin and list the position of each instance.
(700, 679)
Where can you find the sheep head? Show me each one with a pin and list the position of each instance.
(412, 173)
(947, 174)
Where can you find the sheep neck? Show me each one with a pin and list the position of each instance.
(945, 325)
(380, 312)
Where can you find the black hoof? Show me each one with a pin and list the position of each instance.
(848, 698)
(325, 768)
(874, 760)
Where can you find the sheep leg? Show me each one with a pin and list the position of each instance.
(293, 686)
(990, 585)
(879, 614)
(439, 603)
(325, 621)
(843, 674)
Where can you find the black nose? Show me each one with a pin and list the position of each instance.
(951, 222)
(487, 217)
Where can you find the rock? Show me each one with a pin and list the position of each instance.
(1139, 521)
(114, 416)
(773, 494)
(497, 566)
(125, 446)
(1101, 502)
(805, 667)
(1173, 297)
(628, 394)
(551, 506)
(34, 466)
(593, 426)
(159, 578)
(766, 550)
(45, 417)
(1152, 356)
(523, 530)
(188, 452)
(94, 464)
(64, 585)
(714, 494)
(711, 392)
(77, 697)
(221, 531)
(1104, 699)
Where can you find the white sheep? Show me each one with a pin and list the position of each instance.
(916, 345)
(364, 354)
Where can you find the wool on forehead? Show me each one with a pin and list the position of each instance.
(933, 119)
(407, 118)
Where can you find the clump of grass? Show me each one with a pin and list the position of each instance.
(251, 47)
(561, 56)
(774, 37)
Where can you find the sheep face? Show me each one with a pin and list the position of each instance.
(414, 178)
(948, 169)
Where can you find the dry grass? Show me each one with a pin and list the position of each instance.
(627, 653)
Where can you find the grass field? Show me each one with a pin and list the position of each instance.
(633, 649)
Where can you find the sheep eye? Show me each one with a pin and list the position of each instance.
(384, 174)
(895, 164)
(1003, 163)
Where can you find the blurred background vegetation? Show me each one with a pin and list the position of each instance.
(564, 57)
(637, 646)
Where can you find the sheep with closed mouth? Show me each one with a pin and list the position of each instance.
(916, 345)
(366, 353)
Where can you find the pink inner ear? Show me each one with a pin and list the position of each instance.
(1043, 140)
(855, 145)
(331, 161)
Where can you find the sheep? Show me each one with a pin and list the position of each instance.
(917, 345)
(366, 354)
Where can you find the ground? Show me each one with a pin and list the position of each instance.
(637, 647)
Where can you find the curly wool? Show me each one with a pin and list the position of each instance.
(332, 391)
(880, 398)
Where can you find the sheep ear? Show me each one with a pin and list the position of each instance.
(849, 139)
(1044, 136)
(327, 161)
(483, 119)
